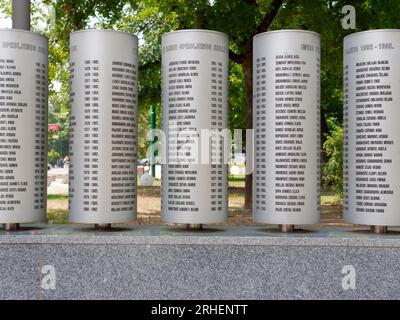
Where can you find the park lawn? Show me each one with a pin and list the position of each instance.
(149, 205)
(57, 207)
(57, 197)
(330, 198)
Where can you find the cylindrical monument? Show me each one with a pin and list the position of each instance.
(195, 101)
(104, 70)
(371, 128)
(286, 116)
(23, 126)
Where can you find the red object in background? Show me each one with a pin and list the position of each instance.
(54, 127)
(140, 171)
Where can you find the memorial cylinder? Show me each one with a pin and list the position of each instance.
(195, 101)
(286, 116)
(372, 128)
(103, 125)
(23, 126)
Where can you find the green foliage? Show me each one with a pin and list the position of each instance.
(333, 147)
(237, 97)
(53, 156)
(144, 127)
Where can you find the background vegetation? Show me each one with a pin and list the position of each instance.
(240, 19)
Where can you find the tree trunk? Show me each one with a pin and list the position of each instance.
(248, 75)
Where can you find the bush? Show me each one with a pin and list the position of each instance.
(333, 148)
(53, 156)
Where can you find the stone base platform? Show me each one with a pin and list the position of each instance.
(161, 262)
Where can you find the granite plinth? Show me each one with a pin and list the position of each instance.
(162, 262)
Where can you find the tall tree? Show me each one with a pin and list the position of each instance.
(243, 55)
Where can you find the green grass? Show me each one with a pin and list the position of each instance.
(58, 216)
(57, 197)
(330, 197)
(236, 178)
(56, 213)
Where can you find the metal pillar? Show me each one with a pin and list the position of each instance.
(106, 226)
(194, 227)
(11, 226)
(379, 229)
(287, 228)
(21, 14)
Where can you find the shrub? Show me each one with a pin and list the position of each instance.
(333, 148)
(53, 156)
